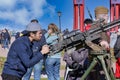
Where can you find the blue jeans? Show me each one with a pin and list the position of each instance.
(5, 43)
(52, 66)
(37, 71)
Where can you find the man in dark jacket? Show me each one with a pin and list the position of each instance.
(37, 45)
(20, 56)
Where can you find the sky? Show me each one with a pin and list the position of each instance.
(16, 14)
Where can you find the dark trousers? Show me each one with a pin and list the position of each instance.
(9, 77)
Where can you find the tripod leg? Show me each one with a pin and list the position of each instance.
(112, 75)
(101, 58)
(92, 65)
(109, 68)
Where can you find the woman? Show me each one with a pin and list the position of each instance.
(6, 38)
(52, 63)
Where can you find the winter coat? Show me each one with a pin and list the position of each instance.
(20, 57)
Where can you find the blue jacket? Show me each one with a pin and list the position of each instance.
(20, 57)
(51, 40)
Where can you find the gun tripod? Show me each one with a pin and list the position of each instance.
(100, 57)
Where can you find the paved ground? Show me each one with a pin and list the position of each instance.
(3, 53)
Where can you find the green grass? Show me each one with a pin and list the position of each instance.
(62, 67)
(2, 60)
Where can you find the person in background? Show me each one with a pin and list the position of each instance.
(6, 38)
(117, 53)
(2, 38)
(87, 23)
(20, 56)
(17, 35)
(66, 31)
(52, 63)
(37, 45)
(101, 12)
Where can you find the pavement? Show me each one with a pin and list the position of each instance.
(3, 53)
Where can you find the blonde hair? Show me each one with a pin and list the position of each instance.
(53, 27)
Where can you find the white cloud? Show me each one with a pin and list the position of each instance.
(29, 9)
(6, 15)
(7, 4)
(21, 16)
(37, 7)
(51, 10)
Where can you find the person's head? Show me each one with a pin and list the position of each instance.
(34, 20)
(24, 33)
(5, 30)
(52, 28)
(34, 31)
(88, 21)
(101, 12)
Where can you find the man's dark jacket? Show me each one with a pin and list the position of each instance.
(20, 57)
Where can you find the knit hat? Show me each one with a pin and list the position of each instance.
(33, 27)
(101, 10)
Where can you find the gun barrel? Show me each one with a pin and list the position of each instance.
(106, 27)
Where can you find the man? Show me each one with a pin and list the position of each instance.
(102, 12)
(37, 45)
(20, 56)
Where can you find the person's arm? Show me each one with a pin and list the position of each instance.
(22, 52)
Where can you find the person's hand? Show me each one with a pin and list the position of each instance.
(104, 44)
(45, 49)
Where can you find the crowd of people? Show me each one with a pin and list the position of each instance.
(30, 52)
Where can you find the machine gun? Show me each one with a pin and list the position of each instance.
(76, 37)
